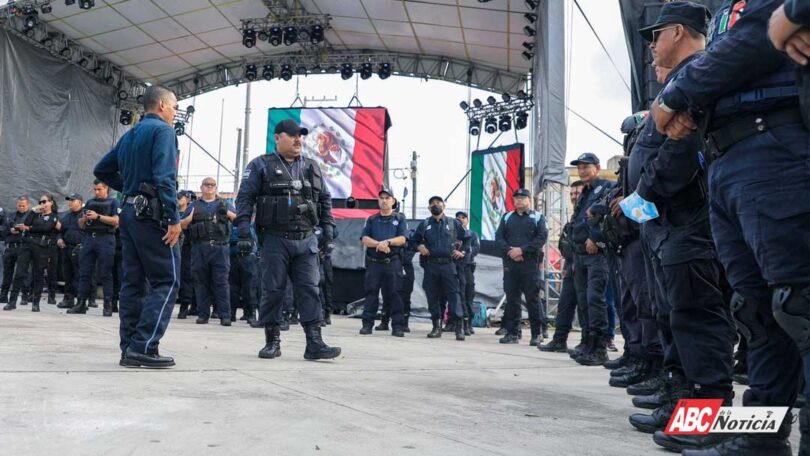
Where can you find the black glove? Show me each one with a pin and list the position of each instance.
(328, 246)
(245, 243)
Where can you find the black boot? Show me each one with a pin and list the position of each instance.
(272, 339)
(641, 370)
(436, 332)
(501, 331)
(651, 401)
(316, 347)
(629, 366)
(12, 302)
(467, 327)
(458, 327)
(676, 389)
(368, 327)
(250, 317)
(4, 297)
(470, 326)
(652, 384)
(92, 302)
(79, 308)
(51, 297)
(115, 305)
(617, 363)
(35, 305)
(327, 317)
(107, 308)
(557, 345)
(679, 442)
(66, 303)
(183, 313)
(597, 356)
(397, 331)
(383, 326)
(511, 337)
(580, 348)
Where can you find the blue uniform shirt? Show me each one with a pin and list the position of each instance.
(71, 233)
(380, 228)
(582, 229)
(798, 11)
(442, 236)
(146, 153)
(527, 231)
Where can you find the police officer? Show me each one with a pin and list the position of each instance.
(3, 232)
(440, 240)
(242, 276)
(143, 165)
(590, 263)
(291, 199)
(97, 254)
(520, 238)
(186, 294)
(327, 277)
(467, 270)
(745, 96)
(408, 252)
(209, 227)
(42, 231)
(383, 236)
(15, 277)
(70, 240)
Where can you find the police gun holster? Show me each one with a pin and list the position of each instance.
(147, 205)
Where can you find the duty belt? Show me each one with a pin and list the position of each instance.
(96, 234)
(380, 260)
(211, 242)
(720, 140)
(292, 235)
(130, 199)
(439, 260)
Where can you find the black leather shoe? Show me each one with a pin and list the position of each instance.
(202, 320)
(383, 326)
(66, 303)
(459, 329)
(135, 359)
(397, 332)
(535, 340)
(316, 347)
(225, 322)
(107, 312)
(597, 357)
(617, 363)
(79, 308)
(258, 324)
(656, 421)
(182, 314)
(651, 401)
(467, 328)
(555, 346)
(647, 387)
(9, 307)
(367, 328)
(678, 443)
(501, 331)
(272, 339)
(35, 306)
(51, 298)
(638, 374)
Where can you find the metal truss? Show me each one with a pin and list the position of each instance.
(510, 106)
(554, 207)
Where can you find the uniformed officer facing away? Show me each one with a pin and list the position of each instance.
(209, 228)
(97, 253)
(520, 237)
(291, 199)
(384, 237)
(440, 240)
(143, 165)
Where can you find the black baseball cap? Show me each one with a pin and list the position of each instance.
(461, 214)
(387, 190)
(290, 127)
(184, 194)
(434, 198)
(685, 13)
(74, 196)
(522, 192)
(587, 158)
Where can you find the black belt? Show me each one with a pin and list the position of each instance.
(95, 234)
(292, 235)
(439, 260)
(380, 260)
(211, 242)
(720, 140)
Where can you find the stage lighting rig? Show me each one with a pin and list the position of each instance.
(491, 125)
(475, 127)
(346, 71)
(512, 110)
(365, 71)
(87, 4)
(385, 70)
(288, 28)
(276, 35)
(505, 122)
(290, 36)
(251, 73)
(249, 37)
(268, 73)
(286, 72)
(125, 117)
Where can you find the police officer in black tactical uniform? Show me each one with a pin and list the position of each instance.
(16, 259)
(291, 199)
(467, 270)
(242, 276)
(185, 296)
(590, 263)
(440, 240)
(209, 229)
(41, 229)
(327, 277)
(383, 236)
(70, 244)
(520, 237)
(97, 254)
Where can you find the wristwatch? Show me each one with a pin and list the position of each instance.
(664, 106)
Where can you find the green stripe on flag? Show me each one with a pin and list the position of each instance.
(274, 116)
(476, 193)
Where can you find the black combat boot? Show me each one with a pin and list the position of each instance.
(652, 384)
(272, 339)
(597, 356)
(91, 302)
(677, 389)
(25, 298)
(511, 337)
(202, 320)
(467, 327)
(107, 312)
(681, 442)
(12, 302)
(458, 327)
(327, 317)
(35, 305)
(470, 326)
(285, 324)
(617, 363)
(640, 371)
(368, 327)
(250, 317)
(436, 332)
(66, 303)
(397, 331)
(631, 364)
(651, 401)
(51, 296)
(536, 338)
(182, 314)
(4, 297)
(557, 345)
(580, 348)
(316, 347)
(115, 305)
(501, 331)
(79, 308)
(383, 326)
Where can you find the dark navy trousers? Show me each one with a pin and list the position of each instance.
(210, 266)
(388, 278)
(298, 261)
(440, 283)
(96, 260)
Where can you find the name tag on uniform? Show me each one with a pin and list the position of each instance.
(297, 184)
(428, 228)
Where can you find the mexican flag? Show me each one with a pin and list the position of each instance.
(496, 174)
(348, 144)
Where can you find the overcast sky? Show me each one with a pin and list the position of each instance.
(425, 115)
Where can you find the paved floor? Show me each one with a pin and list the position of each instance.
(63, 393)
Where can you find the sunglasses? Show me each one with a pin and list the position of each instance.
(209, 185)
(657, 32)
(44, 201)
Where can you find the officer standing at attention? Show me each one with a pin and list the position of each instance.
(520, 238)
(590, 263)
(291, 199)
(209, 228)
(14, 277)
(437, 239)
(186, 294)
(97, 254)
(143, 165)
(70, 244)
(383, 236)
(467, 270)
(745, 96)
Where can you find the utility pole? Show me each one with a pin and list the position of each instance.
(246, 146)
(221, 120)
(238, 160)
(413, 185)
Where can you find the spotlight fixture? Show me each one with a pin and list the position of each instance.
(491, 125)
(262, 35)
(275, 35)
(521, 94)
(528, 46)
(123, 94)
(249, 37)
(491, 100)
(303, 35)
(365, 71)
(521, 120)
(301, 69)
(47, 41)
(179, 128)
(290, 36)
(477, 103)
(346, 71)
(87, 4)
(268, 73)
(286, 72)
(475, 127)
(505, 122)
(70, 2)
(125, 117)
(464, 105)
(526, 55)
(251, 73)
(531, 17)
(384, 71)
(531, 4)
(46, 8)
(316, 33)
(529, 31)
(31, 19)
(65, 51)
(506, 97)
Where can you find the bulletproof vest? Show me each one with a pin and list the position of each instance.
(71, 233)
(13, 220)
(284, 204)
(565, 245)
(209, 227)
(101, 207)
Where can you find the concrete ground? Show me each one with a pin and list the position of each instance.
(63, 393)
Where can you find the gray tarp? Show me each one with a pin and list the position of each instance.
(56, 121)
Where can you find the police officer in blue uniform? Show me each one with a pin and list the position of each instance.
(242, 276)
(97, 254)
(291, 199)
(590, 263)
(209, 228)
(744, 95)
(70, 244)
(185, 297)
(383, 236)
(15, 277)
(520, 237)
(143, 165)
(466, 269)
(440, 240)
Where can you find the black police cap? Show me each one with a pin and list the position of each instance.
(587, 158)
(522, 192)
(461, 214)
(434, 198)
(386, 190)
(685, 13)
(74, 196)
(290, 127)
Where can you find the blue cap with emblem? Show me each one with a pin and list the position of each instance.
(586, 158)
(690, 14)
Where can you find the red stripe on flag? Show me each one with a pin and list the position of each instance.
(369, 153)
(342, 213)
(512, 176)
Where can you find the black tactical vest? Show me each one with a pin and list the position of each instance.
(285, 204)
(100, 207)
(206, 227)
